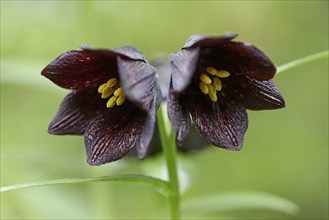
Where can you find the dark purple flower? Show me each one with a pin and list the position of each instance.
(113, 103)
(214, 80)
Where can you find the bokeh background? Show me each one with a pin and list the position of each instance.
(285, 151)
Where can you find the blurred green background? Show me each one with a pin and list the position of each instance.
(285, 151)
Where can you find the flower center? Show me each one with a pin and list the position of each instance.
(210, 82)
(111, 89)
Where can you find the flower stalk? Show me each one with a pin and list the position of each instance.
(167, 138)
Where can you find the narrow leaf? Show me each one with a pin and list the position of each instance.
(120, 178)
(220, 202)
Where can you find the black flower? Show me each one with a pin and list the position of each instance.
(214, 80)
(113, 103)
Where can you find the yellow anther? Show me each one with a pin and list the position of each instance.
(107, 93)
(211, 70)
(204, 88)
(111, 89)
(111, 102)
(217, 83)
(223, 73)
(212, 93)
(205, 78)
(112, 82)
(121, 99)
(102, 87)
(118, 92)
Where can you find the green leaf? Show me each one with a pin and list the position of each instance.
(119, 178)
(220, 202)
(302, 61)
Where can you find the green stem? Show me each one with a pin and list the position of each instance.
(170, 152)
(302, 61)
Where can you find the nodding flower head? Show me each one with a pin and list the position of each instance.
(214, 80)
(113, 103)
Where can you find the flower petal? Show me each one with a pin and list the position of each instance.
(78, 69)
(146, 136)
(235, 57)
(111, 135)
(183, 66)
(76, 111)
(239, 59)
(130, 52)
(197, 40)
(254, 94)
(139, 83)
(178, 115)
(224, 124)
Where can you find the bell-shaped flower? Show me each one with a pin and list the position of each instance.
(113, 103)
(214, 80)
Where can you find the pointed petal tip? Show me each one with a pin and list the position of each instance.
(229, 147)
(94, 163)
(53, 130)
(279, 103)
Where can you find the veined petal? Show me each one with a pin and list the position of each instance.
(254, 94)
(138, 80)
(78, 69)
(111, 135)
(239, 59)
(224, 124)
(183, 66)
(178, 115)
(76, 111)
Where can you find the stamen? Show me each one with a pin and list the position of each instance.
(102, 87)
(223, 73)
(118, 92)
(121, 99)
(107, 93)
(217, 84)
(205, 78)
(111, 102)
(113, 90)
(112, 82)
(211, 70)
(210, 82)
(204, 88)
(212, 93)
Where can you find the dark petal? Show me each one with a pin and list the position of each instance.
(146, 136)
(240, 59)
(178, 115)
(224, 124)
(254, 94)
(138, 80)
(111, 135)
(78, 69)
(197, 40)
(183, 66)
(76, 111)
(131, 52)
